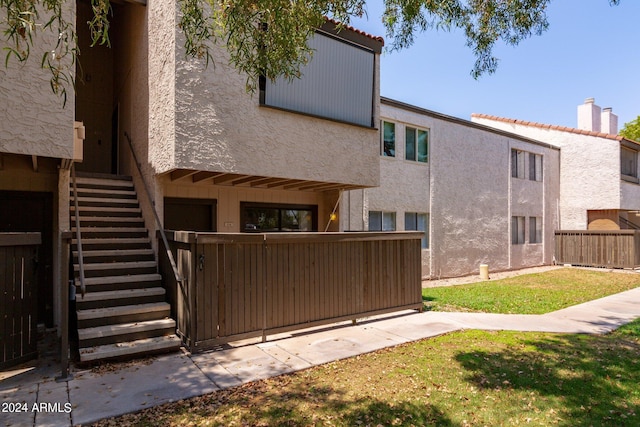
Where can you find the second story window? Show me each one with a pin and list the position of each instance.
(517, 164)
(388, 139)
(417, 145)
(628, 162)
(535, 167)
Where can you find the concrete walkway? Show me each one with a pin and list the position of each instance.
(127, 387)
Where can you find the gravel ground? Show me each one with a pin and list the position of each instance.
(504, 274)
(492, 276)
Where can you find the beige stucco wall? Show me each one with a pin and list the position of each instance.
(589, 172)
(404, 185)
(33, 118)
(229, 199)
(468, 191)
(217, 126)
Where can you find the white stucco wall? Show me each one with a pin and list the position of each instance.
(201, 118)
(589, 172)
(34, 120)
(469, 193)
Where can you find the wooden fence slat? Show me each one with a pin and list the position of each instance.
(251, 286)
(611, 249)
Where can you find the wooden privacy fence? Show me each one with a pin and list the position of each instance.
(18, 299)
(249, 285)
(613, 249)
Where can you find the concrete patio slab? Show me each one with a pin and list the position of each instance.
(295, 362)
(250, 363)
(54, 405)
(97, 395)
(214, 371)
(340, 343)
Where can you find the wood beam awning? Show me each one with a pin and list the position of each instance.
(256, 181)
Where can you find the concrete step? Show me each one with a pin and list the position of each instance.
(104, 192)
(95, 317)
(117, 283)
(108, 221)
(115, 255)
(106, 211)
(98, 269)
(95, 244)
(123, 297)
(110, 232)
(103, 181)
(130, 349)
(105, 202)
(122, 332)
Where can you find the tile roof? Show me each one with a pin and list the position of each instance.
(355, 30)
(552, 127)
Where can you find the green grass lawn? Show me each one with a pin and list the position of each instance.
(470, 378)
(530, 293)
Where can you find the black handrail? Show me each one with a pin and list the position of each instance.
(628, 223)
(78, 235)
(155, 213)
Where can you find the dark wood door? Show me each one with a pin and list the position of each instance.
(18, 297)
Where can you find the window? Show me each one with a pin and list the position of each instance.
(382, 221)
(267, 217)
(517, 230)
(628, 162)
(535, 229)
(416, 145)
(418, 222)
(388, 139)
(535, 167)
(517, 164)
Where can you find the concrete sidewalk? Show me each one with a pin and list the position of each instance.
(127, 387)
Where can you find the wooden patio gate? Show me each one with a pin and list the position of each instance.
(611, 249)
(249, 285)
(18, 302)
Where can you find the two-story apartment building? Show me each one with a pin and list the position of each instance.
(213, 158)
(598, 168)
(482, 195)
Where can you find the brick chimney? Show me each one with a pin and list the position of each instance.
(609, 122)
(589, 116)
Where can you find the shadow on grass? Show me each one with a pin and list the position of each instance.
(287, 401)
(596, 379)
(332, 406)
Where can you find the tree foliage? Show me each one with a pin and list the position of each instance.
(631, 130)
(268, 37)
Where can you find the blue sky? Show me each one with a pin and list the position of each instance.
(591, 50)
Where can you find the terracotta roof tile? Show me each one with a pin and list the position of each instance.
(551, 127)
(355, 30)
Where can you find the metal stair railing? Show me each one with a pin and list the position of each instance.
(630, 224)
(78, 234)
(169, 254)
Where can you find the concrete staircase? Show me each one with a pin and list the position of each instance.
(123, 312)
